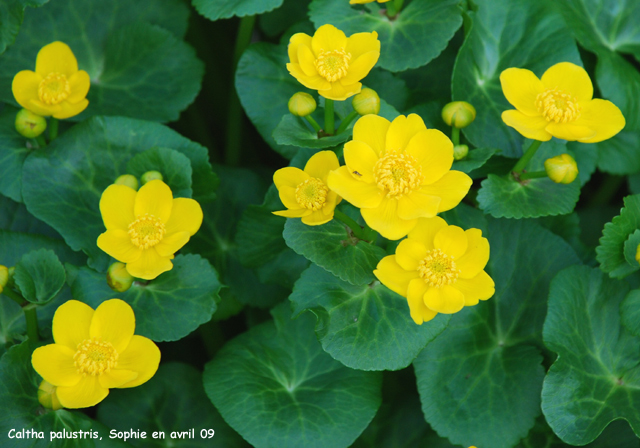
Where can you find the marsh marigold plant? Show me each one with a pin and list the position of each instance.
(146, 228)
(94, 351)
(439, 269)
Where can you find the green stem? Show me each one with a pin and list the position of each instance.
(14, 296)
(526, 157)
(32, 324)
(313, 123)
(455, 135)
(391, 9)
(329, 117)
(346, 122)
(41, 141)
(355, 228)
(53, 129)
(533, 175)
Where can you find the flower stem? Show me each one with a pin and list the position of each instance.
(355, 228)
(53, 130)
(346, 122)
(41, 141)
(526, 157)
(532, 175)
(329, 117)
(314, 124)
(455, 135)
(398, 4)
(32, 324)
(14, 296)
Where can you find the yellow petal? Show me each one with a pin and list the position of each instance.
(480, 287)
(361, 67)
(296, 213)
(141, 356)
(294, 44)
(149, 265)
(410, 253)
(171, 244)
(417, 309)
(68, 109)
(288, 197)
(56, 57)
(79, 83)
(71, 323)
(320, 164)
(307, 61)
(570, 78)
(332, 201)
(521, 87)
(289, 176)
(25, 87)
(316, 82)
(340, 92)
(361, 43)
(372, 129)
(451, 188)
(426, 229)
(54, 363)
(358, 193)
(186, 216)
(452, 240)
(328, 38)
(114, 322)
(477, 255)
(154, 198)
(360, 159)
(446, 299)
(402, 130)
(415, 293)
(433, 151)
(393, 276)
(385, 220)
(116, 207)
(116, 378)
(569, 131)
(418, 205)
(529, 126)
(117, 243)
(88, 392)
(38, 107)
(603, 117)
(316, 218)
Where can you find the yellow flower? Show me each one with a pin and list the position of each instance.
(331, 63)
(145, 228)
(559, 105)
(57, 87)
(398, 172)
(561, 169)
(305, 193)
(360, 2)
(94, 351)
(439, 269)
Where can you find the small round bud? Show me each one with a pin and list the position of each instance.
(561, 169)
(366, 102)
(118, 278)
(638, 254)
(302, 104)
(459, 114)
(460, 152)
(128, 180)
(29, 124)
(150, 175)
(47, 396)
(4, 277)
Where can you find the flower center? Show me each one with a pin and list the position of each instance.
(333, 65)
(95, 357)
(558, 106)
(438, 269)
(146, 231)
(312, 194)
(399, 174)
(54, 88)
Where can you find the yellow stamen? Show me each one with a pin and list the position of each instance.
(95, 357)
(438, 269)
(312, 194)
(54, 88)
(558, 106)
(398, 174)
(333, 65)
(146, 231)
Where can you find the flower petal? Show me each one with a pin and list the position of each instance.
(433, 151)
(316, 218)
(296, 213)
(38, 107)
(452, 240)
(149, 265)
(391, 275)
(328, 38)
(360, 67)
(316, 82)
(362, 43)
(402, 130)
(56, 57)
(25, 87)
(186, 216)
(446, 299)
(171, 244)
(54, 363)
(521, 88)
(117, 243)
(426, 229)
(295, 41)
(418, 205)
(570, 78)
(154, 198)
(569, 131)
(114, 322)
(71, 323)
(602, 116)
(410, 253)
(529, 126)
(332, 201)
(88, 392)
(385, 220)
(477, 255)
(288, 197)
(116, 378)
(451, 188)
(79, 83)
(116, 206)
(289, 176)
(372, 130)
(142, 356)
(418, 310)
(357, 192)
(68, 109)
(480, 287)
(307, 61)
(340, 92)
(320, 164)
(360, 159)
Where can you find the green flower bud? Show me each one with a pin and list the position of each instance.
(302, 104)
(118, 278)
(459, 114)
(561, 169)
(47, 396)
(128, 180)
(29, 124)
(460, 152)
(151, 175)
(4, 277)
(366, 102)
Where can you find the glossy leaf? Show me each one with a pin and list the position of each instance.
(223, 9)
(40, 276)
(14, 149)
(174, 166)
(610, 252)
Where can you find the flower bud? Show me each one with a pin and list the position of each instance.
(118, 278)
(128, 180)
(29, 124)
(302, 104)
(460, 152)
(561, 169)
(366, 102)
(459, 114)
(150, 175)
(4, 277)
(638, 254)
(47, 396)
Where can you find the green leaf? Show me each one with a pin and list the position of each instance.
(630, 312)
(389, 87)
(294, 131)
(475, 159)
(13, 152)
(66, 195)
(619, 82)
(414, 37)
(40, 276)
(619, 155)
(278, 20)
(333, 247)
(506, 33)
(223, 9)
(174, 166)
(595, 377)
(277, 374)
(144, 408)
(154, 84)
(15, 217)
(365, 327)
(167, 308)
(631, 248)
(610, 252)
(13, 245)
(11, 17)
(480, 380)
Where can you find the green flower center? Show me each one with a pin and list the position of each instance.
(146, 231)
(54, 88)
(398, 174)
(95, 357)
(557, 106)
(438, 269)
(333, 65)
(312, 194)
